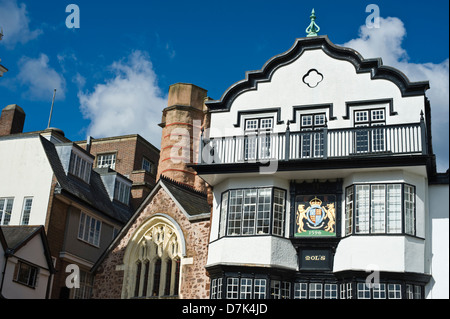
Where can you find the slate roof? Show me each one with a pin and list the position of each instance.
(192, 201)
(93, 194)
(13, 238)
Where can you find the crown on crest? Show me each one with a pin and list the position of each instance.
(315, 201)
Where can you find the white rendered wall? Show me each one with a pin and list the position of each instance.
(33, 253)
(340, 84)
(266, 251)
(25, 172)
(438, 249)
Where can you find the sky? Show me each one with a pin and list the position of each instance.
(112, 72)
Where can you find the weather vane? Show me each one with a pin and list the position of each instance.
(313, 28)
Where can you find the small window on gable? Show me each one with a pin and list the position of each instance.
(80, 167)
(262, 124)
(122, 192)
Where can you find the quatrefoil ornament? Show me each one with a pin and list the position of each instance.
(312, 78)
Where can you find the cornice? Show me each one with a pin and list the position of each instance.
(374, 66)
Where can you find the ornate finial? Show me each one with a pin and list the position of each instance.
(313, 28)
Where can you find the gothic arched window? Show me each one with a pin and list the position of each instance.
(152, 261)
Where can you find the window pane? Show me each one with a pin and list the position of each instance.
(315, 291)
(263, 216)
(378, 209)
(6, 205)
(266, 123)
(330, 291)
(260, 289)
(379, 291)
(278, 212)
(394, 213)
(394, 291)
(306, 120)
(246, 288)
(349, 211)
(223, 214)
(363, 291)
(248, 221)
(28, 202)
(251, 124)
(362, 209)
(300, 290)
(232, 288)
(275, 289)
(361, 116)
(409, 210)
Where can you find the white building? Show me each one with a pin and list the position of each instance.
(26, 261)
(49, 181)
(324, 181)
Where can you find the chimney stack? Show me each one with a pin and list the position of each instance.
(182, 122)
(12, 120)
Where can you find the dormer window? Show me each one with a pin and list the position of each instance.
(106, 160)
(80, 167)
(122, 192)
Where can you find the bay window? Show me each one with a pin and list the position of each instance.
(253, 211)
(380, 209)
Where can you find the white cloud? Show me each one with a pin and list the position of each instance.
(40, 79)
(15, 23)
(386, 42)
(128, 103)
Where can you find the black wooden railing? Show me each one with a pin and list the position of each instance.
(317, 144)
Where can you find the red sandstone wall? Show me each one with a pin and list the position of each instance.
(194, 282)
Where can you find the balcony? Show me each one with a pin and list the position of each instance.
(387, 141)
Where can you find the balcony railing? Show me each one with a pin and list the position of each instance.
(386, 140)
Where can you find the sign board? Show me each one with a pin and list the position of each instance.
(315, 259)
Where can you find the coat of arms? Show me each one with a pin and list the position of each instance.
(316, 220)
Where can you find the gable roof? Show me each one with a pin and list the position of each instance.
(374, 66)
(193, 204)
(94, 194)
(13, 238)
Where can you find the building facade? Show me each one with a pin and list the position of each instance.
(324, 182)
(130, 155)
(27, 266)
(48, 181)
(161, 252)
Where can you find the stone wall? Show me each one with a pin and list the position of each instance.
(194, 283)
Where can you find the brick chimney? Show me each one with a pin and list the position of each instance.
(182, 122)
(12, 120)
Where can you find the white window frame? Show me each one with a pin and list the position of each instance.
(378, 209)
(122, 192)
(26, 210)
(253, 211)
(89, 229)
(79, 167)
(107, 160)
(5, 212)
(28, 279)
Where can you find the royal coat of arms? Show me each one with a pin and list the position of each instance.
(317, 219)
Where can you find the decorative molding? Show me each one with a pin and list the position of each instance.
(276, 110)
(374, 66)
(350, 104)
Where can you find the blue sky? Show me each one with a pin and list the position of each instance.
(113, 73)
